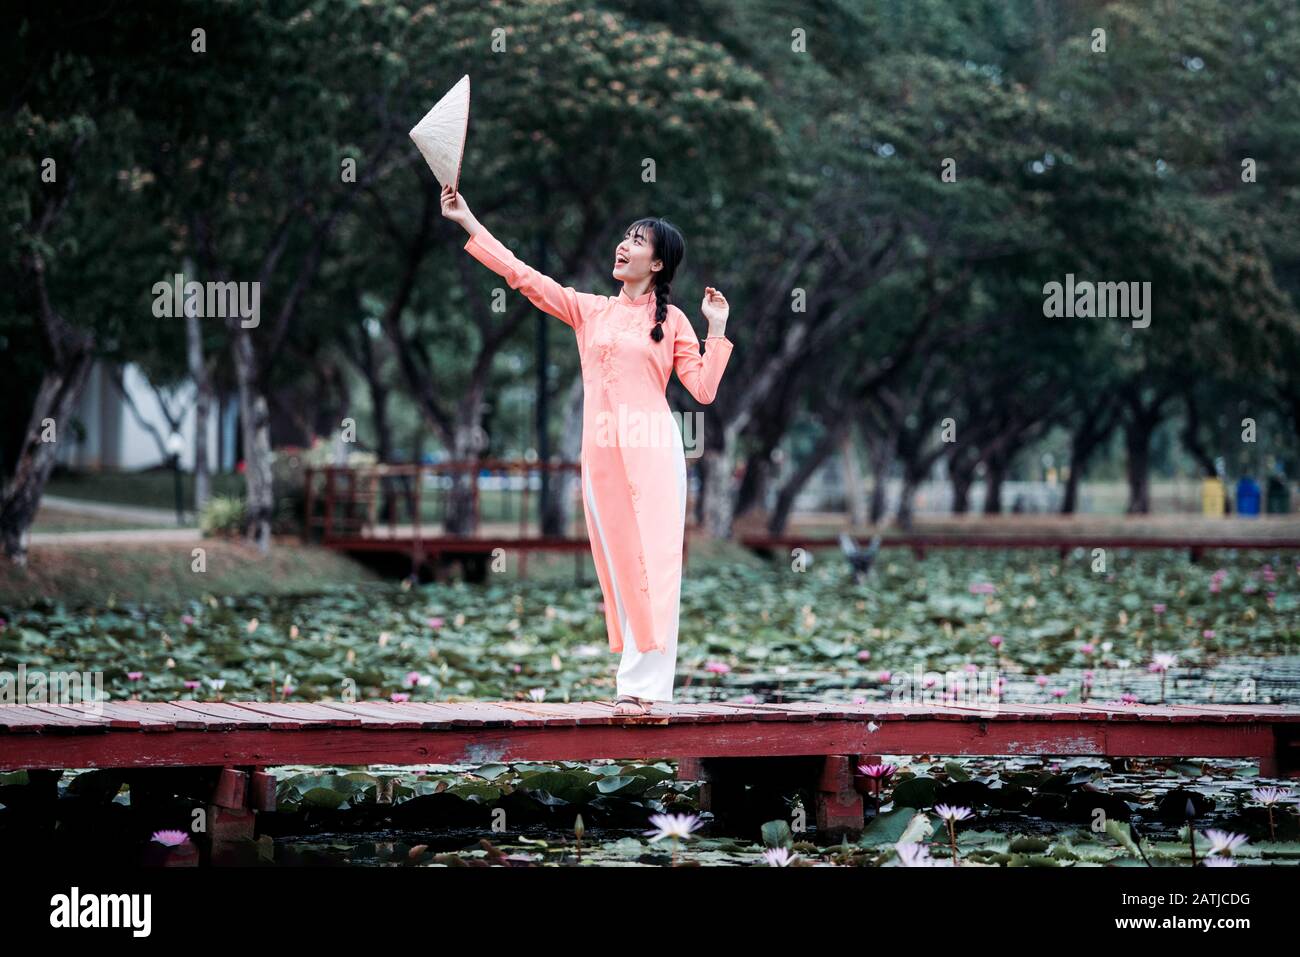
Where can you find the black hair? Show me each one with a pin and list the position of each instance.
(670, 248)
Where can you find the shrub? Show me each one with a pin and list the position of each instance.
(222, 515)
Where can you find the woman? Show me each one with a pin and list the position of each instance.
(633, 462)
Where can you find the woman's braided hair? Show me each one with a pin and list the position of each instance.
(670, 248)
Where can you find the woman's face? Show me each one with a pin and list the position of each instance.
(634, 258)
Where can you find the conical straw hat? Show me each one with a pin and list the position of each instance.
(440, 136)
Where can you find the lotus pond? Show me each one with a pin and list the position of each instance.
(1151, 627)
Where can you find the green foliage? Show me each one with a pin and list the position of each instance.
(222, 515)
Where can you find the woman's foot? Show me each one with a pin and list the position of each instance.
(625, 705)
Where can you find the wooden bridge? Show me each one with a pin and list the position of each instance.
(406, 512)
(816, 745)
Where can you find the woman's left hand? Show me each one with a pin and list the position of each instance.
(714, 308)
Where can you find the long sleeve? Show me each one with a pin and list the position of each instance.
(563, 302)
(699, 373)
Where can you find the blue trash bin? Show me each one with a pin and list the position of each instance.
(1247, 496)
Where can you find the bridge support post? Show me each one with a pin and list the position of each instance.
(744, 793)
(838, 802)
(1280, 760)
(229, 819)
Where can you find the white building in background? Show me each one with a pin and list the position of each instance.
(106, 434)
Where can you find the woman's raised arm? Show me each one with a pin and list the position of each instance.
(563, 302)
(699, 373)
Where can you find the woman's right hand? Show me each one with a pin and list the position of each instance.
(456, 209)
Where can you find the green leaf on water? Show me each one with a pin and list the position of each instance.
(777, 834)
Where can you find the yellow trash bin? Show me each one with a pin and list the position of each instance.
(1212, 498)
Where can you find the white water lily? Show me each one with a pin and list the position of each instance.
(918, 829)
(779, 857)
(1223, 842)
(1270, 796)
(953, 814)
(913, 854)
(676, 826)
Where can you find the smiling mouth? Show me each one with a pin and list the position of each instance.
(620, 260)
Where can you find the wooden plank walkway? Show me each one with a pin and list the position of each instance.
(133, 734)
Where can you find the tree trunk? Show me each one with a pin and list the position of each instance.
(878, 450)
(199, 373)
(785, 499)
(1071, 500)
(55, 399)
(855, 485)
(1137, 439)
(255, 426)
(993, 479)
(460, 518)
(962, 475)
(1139, 425)
(718, 505)
(907, 498)
(1192, 438)
(557, 507)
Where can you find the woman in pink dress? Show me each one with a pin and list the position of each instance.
(633, 460)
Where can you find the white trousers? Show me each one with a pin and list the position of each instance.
(647, 675)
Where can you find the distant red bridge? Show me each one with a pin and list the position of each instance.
(399, 512)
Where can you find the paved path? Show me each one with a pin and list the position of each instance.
(126, 536)
(126, 513)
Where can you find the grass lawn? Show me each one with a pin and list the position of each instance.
(153, 489)
(57, 520)
(105, 575)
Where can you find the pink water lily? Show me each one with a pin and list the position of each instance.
(717, 667)
(134, 675)
(170, 838)
(397, 697)
(995, 641)
(879, 772)
(435, 622)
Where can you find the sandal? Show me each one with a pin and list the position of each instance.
(625, 700)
